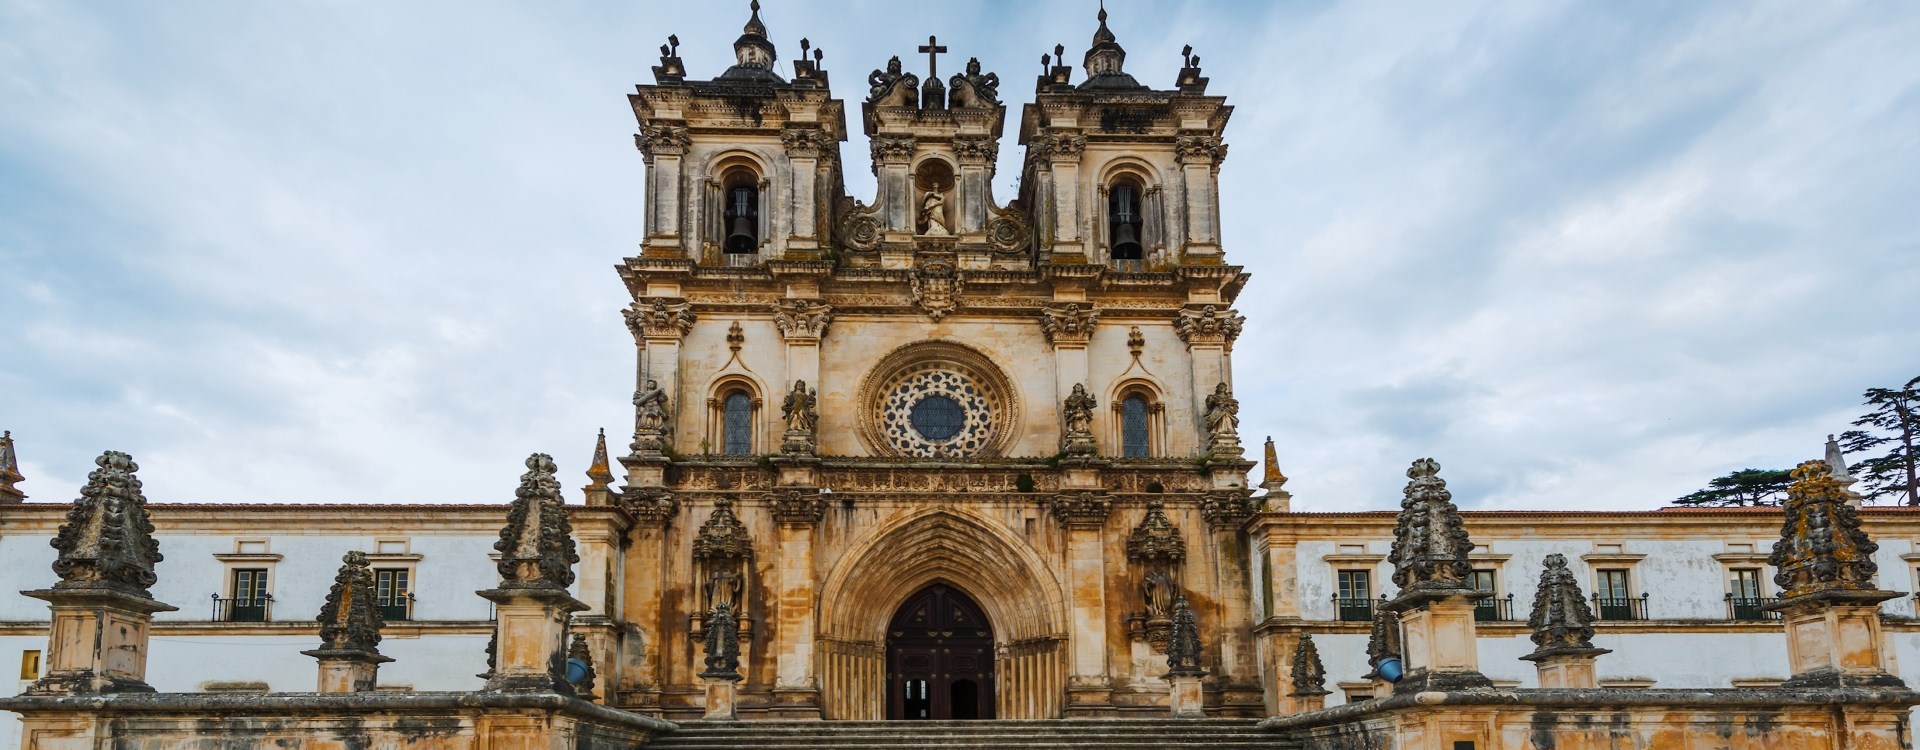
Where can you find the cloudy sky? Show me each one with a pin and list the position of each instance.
(1588, 255)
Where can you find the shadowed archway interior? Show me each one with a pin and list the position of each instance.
(940, 658)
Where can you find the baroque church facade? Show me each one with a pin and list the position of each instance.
(947, 454)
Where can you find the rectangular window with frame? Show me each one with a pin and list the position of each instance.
(30, 664)
(1614, 594)
(1355, 600)
(393, 593)
(1488, 609)
(248, 602)
(1744, 602)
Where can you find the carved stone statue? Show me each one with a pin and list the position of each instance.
(723, 589)
(1223, 423)
(1158, 591)
(973, 89)
(933, 215)
(650, 418)
(1078, 410)
(893, 87)
(802, 415)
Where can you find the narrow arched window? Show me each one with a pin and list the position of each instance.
(1133, 427)
(1124, 223)
(737, 424)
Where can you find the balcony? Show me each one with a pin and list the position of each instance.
(1356, 609)
(395, 609)
(1750, 609)
(1620, 608)
(243, 610)
(1493, 610)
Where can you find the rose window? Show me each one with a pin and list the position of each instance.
(936, 412)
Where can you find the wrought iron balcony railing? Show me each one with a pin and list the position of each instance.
(1355, 609)
(243, 609)
(395, 608)
(1749, 608)
(1494, 609)
(1620, 608)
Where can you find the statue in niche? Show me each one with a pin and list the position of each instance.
(1078, 411)
(652, 404)
(1158, 591)
(724, 588)
(799, 408)
(893, 87)
(933, 211)
(934, 177)
(973, 89)
(1223, 412)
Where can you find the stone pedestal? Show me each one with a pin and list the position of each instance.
(348, 670)
(530, 637)
(1438, 634)
(1568, 668)
(1184, 696)
(97, 642)
(1834, 640)
(721, 694)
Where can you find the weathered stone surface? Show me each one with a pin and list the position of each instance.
(1430, 543)
(1309, 676)
(107, 541)
(1821, 548)
(536, 546)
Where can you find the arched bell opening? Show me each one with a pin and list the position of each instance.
(940, 655)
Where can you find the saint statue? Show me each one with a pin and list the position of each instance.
(723, 588)
(1079, 411)
(1158, 591)
(893, 87)
(933, 215)
(972, 89)
(799, 409)
(652, 404)
(1223, 412)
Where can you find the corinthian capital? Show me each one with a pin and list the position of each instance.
(1199, 149)
(801, 319)
(1208, 325)
(1069, 323)
(892, 148)
(662, 140)
(803, 142)
(976, 150)
(659, 318)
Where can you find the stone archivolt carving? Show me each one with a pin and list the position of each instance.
(662, 140)
(801, 320)
(936, 287)
(804, 143)
(1077, 412)
(722, 552)
(798, 507)
(107, 540)
(1223, 423)
(1561, 621)
(893, 87)
(1070, 323)
(1821, 547)
(1208, 325)
(1199, 148)
(798, 411)
(892, 149)
(1309, 675)
(1082, 509)
(1008, 230)
(1156, 552)
(536, 546)
(659, 317)
(974, 89)
(958, 393)
(1430, 542)
(651, 506)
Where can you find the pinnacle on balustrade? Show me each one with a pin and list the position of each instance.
(1183, 647)
(1383, 642)
(601, 472)
(349, 620)
(10, 471)
(107, 540)
(581, 654)
(1430, 542)
(1562, 622)
(536, 546)
(1309, 676)
(1822, 549)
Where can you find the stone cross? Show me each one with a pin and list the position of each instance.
(933, 47)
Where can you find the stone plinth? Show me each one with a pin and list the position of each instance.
(1574, 669)
(1834, 640)
(97, 641)
(722, 699)
(1184, 696)
(530, 635)
(348, 670)
(1438, 634)
(305, 721)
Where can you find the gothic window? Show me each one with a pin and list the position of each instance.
(1133, 427)
(737, 424)
(1126, 225)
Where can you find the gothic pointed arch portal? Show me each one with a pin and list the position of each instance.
(940, 658)
(1010, 586)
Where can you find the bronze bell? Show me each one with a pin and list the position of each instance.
(1126, 243)
(742, 239)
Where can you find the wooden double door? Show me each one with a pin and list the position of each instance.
(939, 658)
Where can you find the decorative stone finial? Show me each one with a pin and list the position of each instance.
(1561, 621)
(1155, 538)
(1309, 675)
(1430, 543)
(9, 471)
(578, 652)
(536, 547)
(1183, 648)
(349, 621)
(723, 644)
(1383, 641)
(601, 472)
(1837, 461)
(1105, 59)
(1822, 548)
(107, 540)
(1273, 479)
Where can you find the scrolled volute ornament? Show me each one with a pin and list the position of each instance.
(974, 89)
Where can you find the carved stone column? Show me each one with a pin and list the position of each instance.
(349, 652)
(532, 605)
(1089, 688)
(1828, 602)
(892, 156)
(1199, 158)
(803, 152)
(645, 582)
(101, 610)
(664, 146)
(796, 689)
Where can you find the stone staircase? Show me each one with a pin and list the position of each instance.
(1113, 734)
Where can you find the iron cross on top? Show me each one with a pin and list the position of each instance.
(932, 48)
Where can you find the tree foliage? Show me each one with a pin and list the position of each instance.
(1741, 488)
(1892, 430)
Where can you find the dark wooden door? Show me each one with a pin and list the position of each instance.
(939, 658)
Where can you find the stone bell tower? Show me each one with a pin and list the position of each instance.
(935, 453)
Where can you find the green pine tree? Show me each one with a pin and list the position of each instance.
(1741, 488)
(1893, 429)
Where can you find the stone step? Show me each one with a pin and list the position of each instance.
(1117, 734)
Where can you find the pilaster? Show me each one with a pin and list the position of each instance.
(1084, 514)
(796, 688)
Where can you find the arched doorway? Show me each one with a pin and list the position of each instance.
(939, 658)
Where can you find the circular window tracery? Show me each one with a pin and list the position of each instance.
(937, 400)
